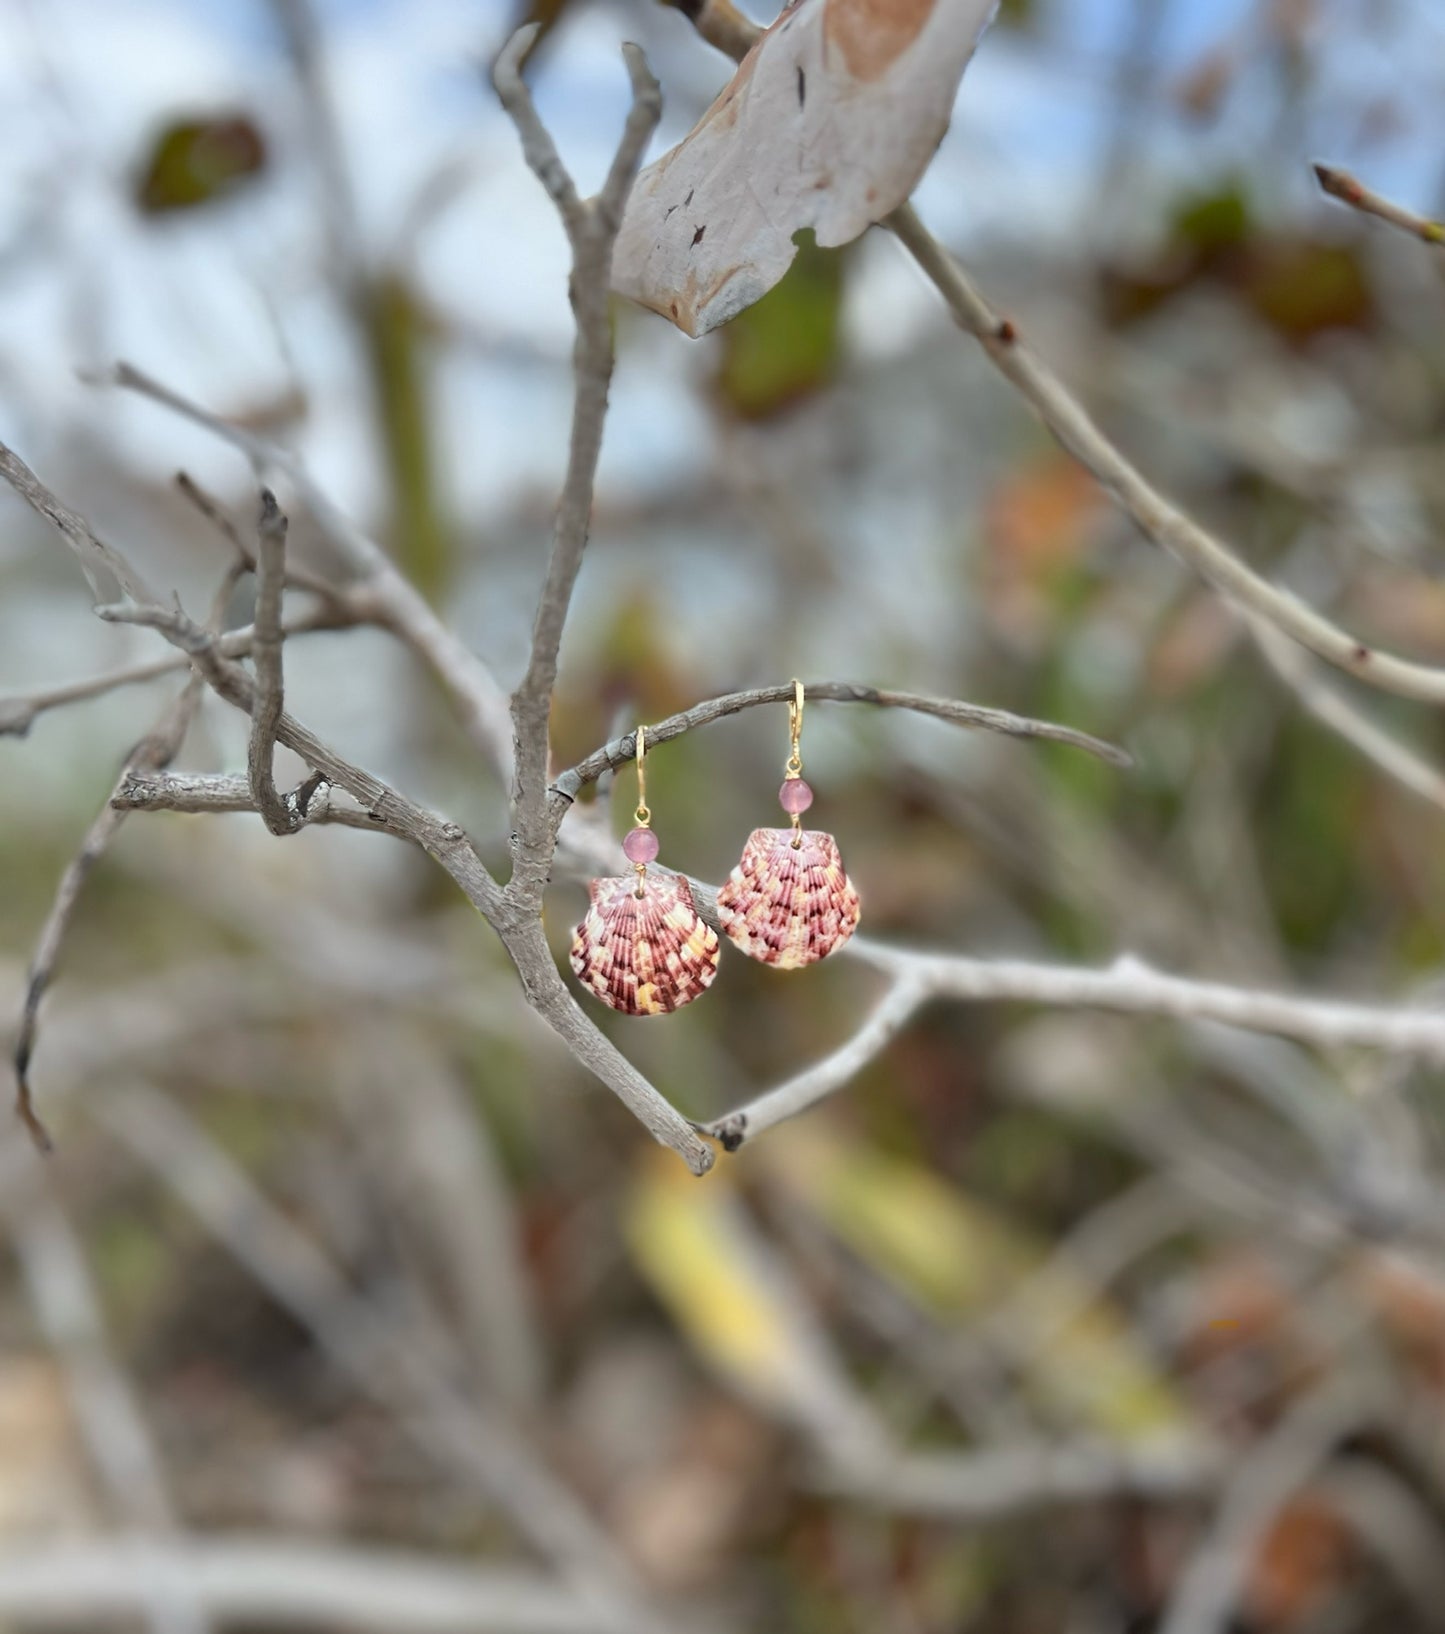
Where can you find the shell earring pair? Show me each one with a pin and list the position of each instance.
(643, 949)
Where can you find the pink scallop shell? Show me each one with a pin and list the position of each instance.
(644, 955)
(788, 904)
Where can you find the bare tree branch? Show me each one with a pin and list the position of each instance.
(1155, 517)
(1339, 184)
(100, 564)
(994, 1483)
(1127, 986)
(269, 701)
(277, 1582)
(219, 793)
(152, 754)
(622, 749)
(591, 231)
(538, 148)
(517, 920)
(896, 1009)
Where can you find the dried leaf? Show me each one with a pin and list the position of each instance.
(732, 1298)
(956, 1258)
(196, 161)
(828, 123)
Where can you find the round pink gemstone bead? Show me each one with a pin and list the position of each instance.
(640, 845)
(795, 796)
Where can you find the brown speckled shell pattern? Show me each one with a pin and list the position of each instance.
(788, 905)
(644, 955)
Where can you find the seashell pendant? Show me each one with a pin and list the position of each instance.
(788, 902)
(642, 949)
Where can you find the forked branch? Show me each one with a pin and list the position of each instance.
(591, 226)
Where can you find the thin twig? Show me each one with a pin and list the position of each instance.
(151, 756)
(622, 749)
(266, 661)
(1131, 986)
(591, 227)
(994, 1483)
(1339, 184)
(896, 1009)
(1159, 520)
(392, 600)
(98, 562)
(297, 577)
(153, 753)
(19, 711)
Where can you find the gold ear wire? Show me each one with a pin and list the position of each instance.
(794, 767)
(642, 815)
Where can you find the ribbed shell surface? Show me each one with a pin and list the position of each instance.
(788, 904)
(644, 955)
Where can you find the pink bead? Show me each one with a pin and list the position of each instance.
(795, 796)
(640, 845)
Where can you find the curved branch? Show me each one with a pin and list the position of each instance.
(1127, 986)
(1155, 517)
(896, 1009)
(620, 750)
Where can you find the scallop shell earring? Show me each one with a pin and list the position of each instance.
(642, 949)
(788, 902)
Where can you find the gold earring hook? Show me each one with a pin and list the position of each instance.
(794, 766)
(642, 815)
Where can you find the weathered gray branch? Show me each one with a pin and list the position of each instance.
(269, 701)
(1127, 986)
(591, 227)
(516, 918)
